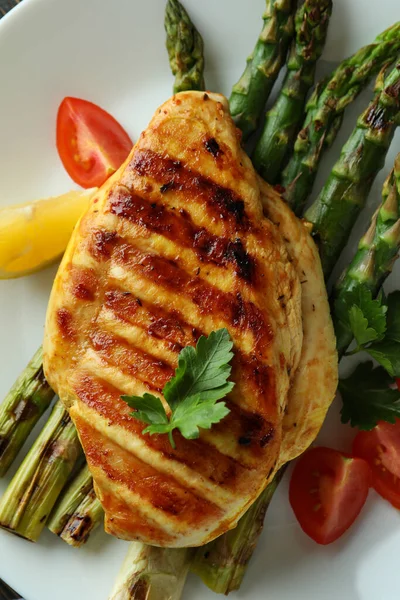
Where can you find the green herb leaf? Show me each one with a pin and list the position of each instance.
(200, 380)
(195, 413)
(365, 317)
(368, 398)
(203, 370)
(387, 351)
(393, 316)
(360, 326)
(149, 408)
(387, 354)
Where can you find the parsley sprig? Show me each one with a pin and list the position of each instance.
(375, 325)
(369, 394)
(200, 380)
(368, 398)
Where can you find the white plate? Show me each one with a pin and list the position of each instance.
(112, 52)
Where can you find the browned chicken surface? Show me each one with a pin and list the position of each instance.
(175, 245)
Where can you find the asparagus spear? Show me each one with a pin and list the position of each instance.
(23, 406)
(70, 499)
(185, 49)
(250, 93)
(152, 573)
(283, 120)
(326, 107)
(222, 563)
(377, 251)
(35, 487)
(343, 196)
(78, 511)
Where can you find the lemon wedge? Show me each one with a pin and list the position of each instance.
(35, 234)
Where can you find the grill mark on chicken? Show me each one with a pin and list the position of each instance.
(132, 361)
(101, 243)
(129, 524)
(179, 227)
(164, 329)
(239, 313)
(198, 455)
(212, 146)
(223, 202)
(84, 283)
(159, 323)
(176, 329)
(161, 491)
(251, 430)
(252, 372)
(65, 323)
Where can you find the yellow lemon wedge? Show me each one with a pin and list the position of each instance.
(35, 234)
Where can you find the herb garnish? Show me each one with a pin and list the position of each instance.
(200, 380)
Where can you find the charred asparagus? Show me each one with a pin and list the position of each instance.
(34, 489)
(78, 511)
(325, 113)
(343, 196)
(28, 399)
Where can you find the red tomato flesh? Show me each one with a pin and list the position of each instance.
(381, 449)
(398, 383)
(327, 492)
(92, 145)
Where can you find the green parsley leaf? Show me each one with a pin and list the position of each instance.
(195, 413)
(387, 354)
(367, 397)
(149, 408)
(365, 317)
(387, 351)
(360, 326)
(393, 316)
(203, 370)
(200, 380)
(373, 311)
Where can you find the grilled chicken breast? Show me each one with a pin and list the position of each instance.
(173, 246)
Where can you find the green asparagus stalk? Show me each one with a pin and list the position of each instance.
(250, 93)
(78, 511)
(324, 113)
(34, 489)
(283, 120)
(28, 399)
(377, 251)
(70, 499)
(185, 49)
(222, 563)
(343, 196)
(152, 573)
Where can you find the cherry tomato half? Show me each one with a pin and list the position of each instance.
(398, 383)
(327, 491)
(381, 449)
(92, 145)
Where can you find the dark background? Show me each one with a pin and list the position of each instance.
(6, 5)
